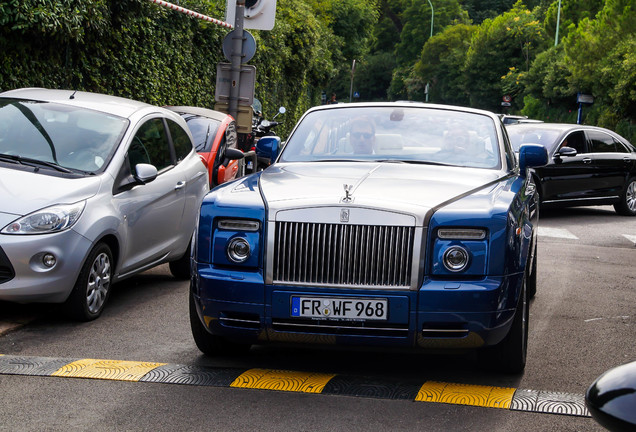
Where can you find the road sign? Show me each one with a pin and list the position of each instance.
(506, 104)
(507, 98)
(249, 46)
(259, 14)
(224, 83)
(244, 120)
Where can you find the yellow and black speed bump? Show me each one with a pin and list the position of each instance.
(304, 382)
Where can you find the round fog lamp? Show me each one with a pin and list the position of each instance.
(456, 259)
(48, 259)
(238, 250)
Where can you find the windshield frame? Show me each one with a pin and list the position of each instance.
(400, 133)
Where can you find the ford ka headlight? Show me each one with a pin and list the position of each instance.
(52, 219)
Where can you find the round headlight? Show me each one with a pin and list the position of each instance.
(456, 258)
(238, 250)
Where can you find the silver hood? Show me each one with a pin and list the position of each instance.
(407, 189)
(23, 192)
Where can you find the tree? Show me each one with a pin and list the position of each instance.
(442, 62)
(500, 53)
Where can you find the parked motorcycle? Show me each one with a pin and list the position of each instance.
(261, 127)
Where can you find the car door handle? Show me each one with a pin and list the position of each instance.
(626, 160)
(587, 160)
(179, 185)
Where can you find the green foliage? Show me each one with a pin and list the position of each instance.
(442, 62)
(137, 49)
(597, 57)
(500, 53)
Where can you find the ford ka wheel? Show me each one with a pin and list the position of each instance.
(91, 291)
(627, 205)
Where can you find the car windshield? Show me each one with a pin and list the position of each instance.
(58, 136)
(203, 131)
(400, 134)
(528, 135)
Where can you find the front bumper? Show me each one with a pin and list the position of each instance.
(440, 314)
(28, 279)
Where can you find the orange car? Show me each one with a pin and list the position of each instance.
(215, 140)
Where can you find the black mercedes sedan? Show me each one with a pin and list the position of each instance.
(587, 165)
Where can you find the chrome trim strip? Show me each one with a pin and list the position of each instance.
(240, 320)
(371, 329)
(445, 331)
(343, 255)
(580, 199)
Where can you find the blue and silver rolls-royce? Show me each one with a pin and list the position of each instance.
(382, 224)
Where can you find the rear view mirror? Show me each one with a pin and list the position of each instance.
(531, 155)
(233, 154)
(145, 173)
(611, 399)
(567, 151)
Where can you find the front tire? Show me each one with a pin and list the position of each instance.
(509, 356)
(93, 286)
(209, 344)
(627, 204)
(532, 275)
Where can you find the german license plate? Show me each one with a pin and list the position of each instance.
(339, 308)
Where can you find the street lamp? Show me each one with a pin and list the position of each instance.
(432, 18)
(433, 15)
(556, 36)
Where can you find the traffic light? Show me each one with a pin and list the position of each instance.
(258, 14)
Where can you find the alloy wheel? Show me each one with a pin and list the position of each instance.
(630, 196)
(98, 283)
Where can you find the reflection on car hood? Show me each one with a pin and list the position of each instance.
(24, 192)
(405, 188)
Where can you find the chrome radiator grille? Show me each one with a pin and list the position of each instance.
(339, 254)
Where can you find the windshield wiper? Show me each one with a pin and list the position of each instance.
(421, 162)
(399, 161)
(33, 162)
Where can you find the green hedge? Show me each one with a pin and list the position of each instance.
(140, 50)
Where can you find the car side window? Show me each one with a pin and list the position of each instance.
(601, 142)
(575, 140)
(622, 148)
(180, 140)
(150, 145)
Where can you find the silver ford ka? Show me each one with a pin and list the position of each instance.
(93, 189)
(388, 225)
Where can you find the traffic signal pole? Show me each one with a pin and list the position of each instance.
(236, 58)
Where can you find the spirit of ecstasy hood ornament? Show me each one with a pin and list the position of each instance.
(347, 198)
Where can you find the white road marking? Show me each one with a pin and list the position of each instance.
(622, 317)
(631, 238)
(556, 232)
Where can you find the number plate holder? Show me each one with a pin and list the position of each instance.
(339, 308)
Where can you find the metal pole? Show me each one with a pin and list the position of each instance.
(433, 16)
(432, 19)
(353, 69)
(237, 56)
(556, 36)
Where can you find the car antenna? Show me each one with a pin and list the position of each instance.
(73, 95)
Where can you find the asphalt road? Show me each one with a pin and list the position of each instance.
(581, 323)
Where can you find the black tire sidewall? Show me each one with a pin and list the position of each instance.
(621, 207)
(76, 304)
